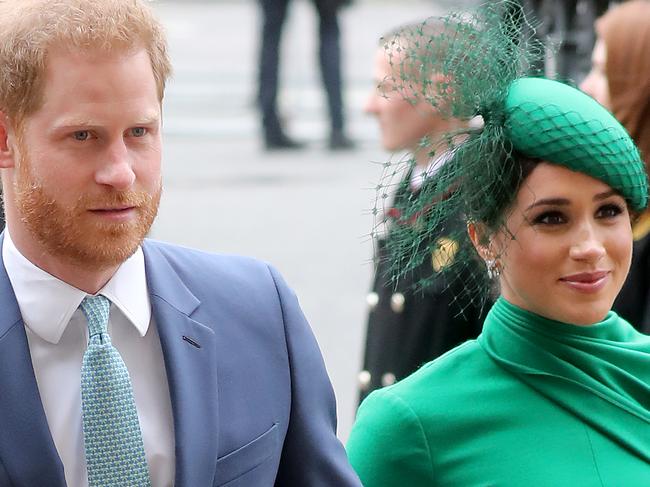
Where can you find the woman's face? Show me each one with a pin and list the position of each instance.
(571, 249)
(596, 84)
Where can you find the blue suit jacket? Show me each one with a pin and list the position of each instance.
(251, 400)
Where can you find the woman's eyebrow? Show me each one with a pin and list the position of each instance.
(550, 201)
(605, 195)
(564, 201)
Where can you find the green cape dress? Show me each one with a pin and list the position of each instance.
(531, 402)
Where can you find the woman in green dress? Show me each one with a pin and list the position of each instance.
(556, 389)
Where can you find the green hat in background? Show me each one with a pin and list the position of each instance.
(484, 64)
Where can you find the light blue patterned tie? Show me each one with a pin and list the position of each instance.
(112, 438)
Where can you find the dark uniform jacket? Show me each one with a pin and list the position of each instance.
(407, 326)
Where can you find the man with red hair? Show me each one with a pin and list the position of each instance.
(124, 361)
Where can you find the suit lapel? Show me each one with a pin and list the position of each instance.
(189, 350)
(27, 450)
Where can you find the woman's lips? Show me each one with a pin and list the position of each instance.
(587, 282)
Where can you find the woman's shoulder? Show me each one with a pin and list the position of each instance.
(443, 378)
(437, 397)
(398, 426)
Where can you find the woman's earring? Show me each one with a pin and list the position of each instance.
(493, 270)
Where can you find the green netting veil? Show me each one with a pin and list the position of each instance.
(480, 67)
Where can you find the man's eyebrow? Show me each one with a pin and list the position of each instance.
(90, 123)
(75, 122)
(148, 120)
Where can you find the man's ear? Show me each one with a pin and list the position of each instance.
(443, 83)
(442, 89)
(478, 234)
(6, 147)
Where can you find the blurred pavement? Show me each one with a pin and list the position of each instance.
(305, 212)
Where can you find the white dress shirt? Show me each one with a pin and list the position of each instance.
(419, 173)
(58, 335)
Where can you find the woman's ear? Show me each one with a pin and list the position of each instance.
(483, 243)
(478, 234)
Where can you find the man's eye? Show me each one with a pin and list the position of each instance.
(81, 135)
(138, 131)
(386, 87)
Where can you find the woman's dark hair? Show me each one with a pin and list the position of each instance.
(519, 168)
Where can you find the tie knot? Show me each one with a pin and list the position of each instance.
(96, 310)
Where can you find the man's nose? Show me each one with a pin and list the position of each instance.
(370, 107)
(117, 167)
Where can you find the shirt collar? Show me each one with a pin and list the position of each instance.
(47, 303)
(419, 174)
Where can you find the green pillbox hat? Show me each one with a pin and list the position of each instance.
(552, 121)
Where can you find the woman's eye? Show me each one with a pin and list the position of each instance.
(81, 135)
(610, 210)
(550, 218)
(138, 131)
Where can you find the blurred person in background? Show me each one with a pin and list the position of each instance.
(329, 55)
(408, 326)
(566, 27)
(620, 80)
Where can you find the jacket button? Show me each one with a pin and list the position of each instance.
(388, 379)
(397, 302)
(364, 378)
(372, 299)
